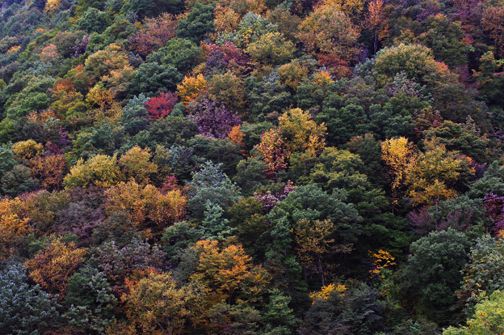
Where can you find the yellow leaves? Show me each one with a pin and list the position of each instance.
(190, 88)
(146, 203)
(14, 49)
(227, 270)
(51, 5)
(27, 149)
(329, 30)
(428, 179)
(301, 133)
(101, 171)
(325, 292)
(136, 165)
(291, 74)
(382, 260)
(52, 267)
(158, 306)
(398, 154)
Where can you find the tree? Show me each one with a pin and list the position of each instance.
(120, 263)
(233, 319)
(329, 34)
(214, 120)
(101, 171)
(180, 53)
(398, 154)
(433, 272)
(227, 271)
(229, 90)
(158, 305)
(271, 49)
(432, 174)
(492, 22)
(162, 106)
(482, 274)
(190, 88)
(27, 149)
(301, 133)
(49, 170)
(197, 24)
(274, 151)
(278, 318)
(154, 35)
(25, 309)
(416, 60)
(136, 165)
(313, 238)
(487, 318)
(54, 265)
(13, 228)
(143, 203)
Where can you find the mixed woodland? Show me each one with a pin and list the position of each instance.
(241, 167)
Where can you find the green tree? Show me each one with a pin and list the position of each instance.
(198, 24)
(433, 272)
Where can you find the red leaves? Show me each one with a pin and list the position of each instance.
(162, 106)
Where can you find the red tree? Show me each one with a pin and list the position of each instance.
(161, 106)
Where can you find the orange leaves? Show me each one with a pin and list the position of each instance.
(49, 53)
(12, 227)
(273, 150)
(226, 270)
(325, 292)
(190, 88)
(236, 136)
(382, 259)
(146, 203)
(49, 170)
(52, 267)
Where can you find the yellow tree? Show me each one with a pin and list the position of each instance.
(157, 305)
(433, 173)
(136, 165)
(190, 88)
(313, 240)
(227, 271)
(51, 5)
(101, 171)
(375, 18)
(52, 267)
(144, 203)
(398, 154)
(301, 133)
(329, 34)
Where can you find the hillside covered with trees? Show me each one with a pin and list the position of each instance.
(242, 167)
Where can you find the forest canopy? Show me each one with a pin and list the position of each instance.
(247, 167)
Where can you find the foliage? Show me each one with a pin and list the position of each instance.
(101, 171)
(213, 120)
(26, 309)
(52, 267)
(432, 273)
